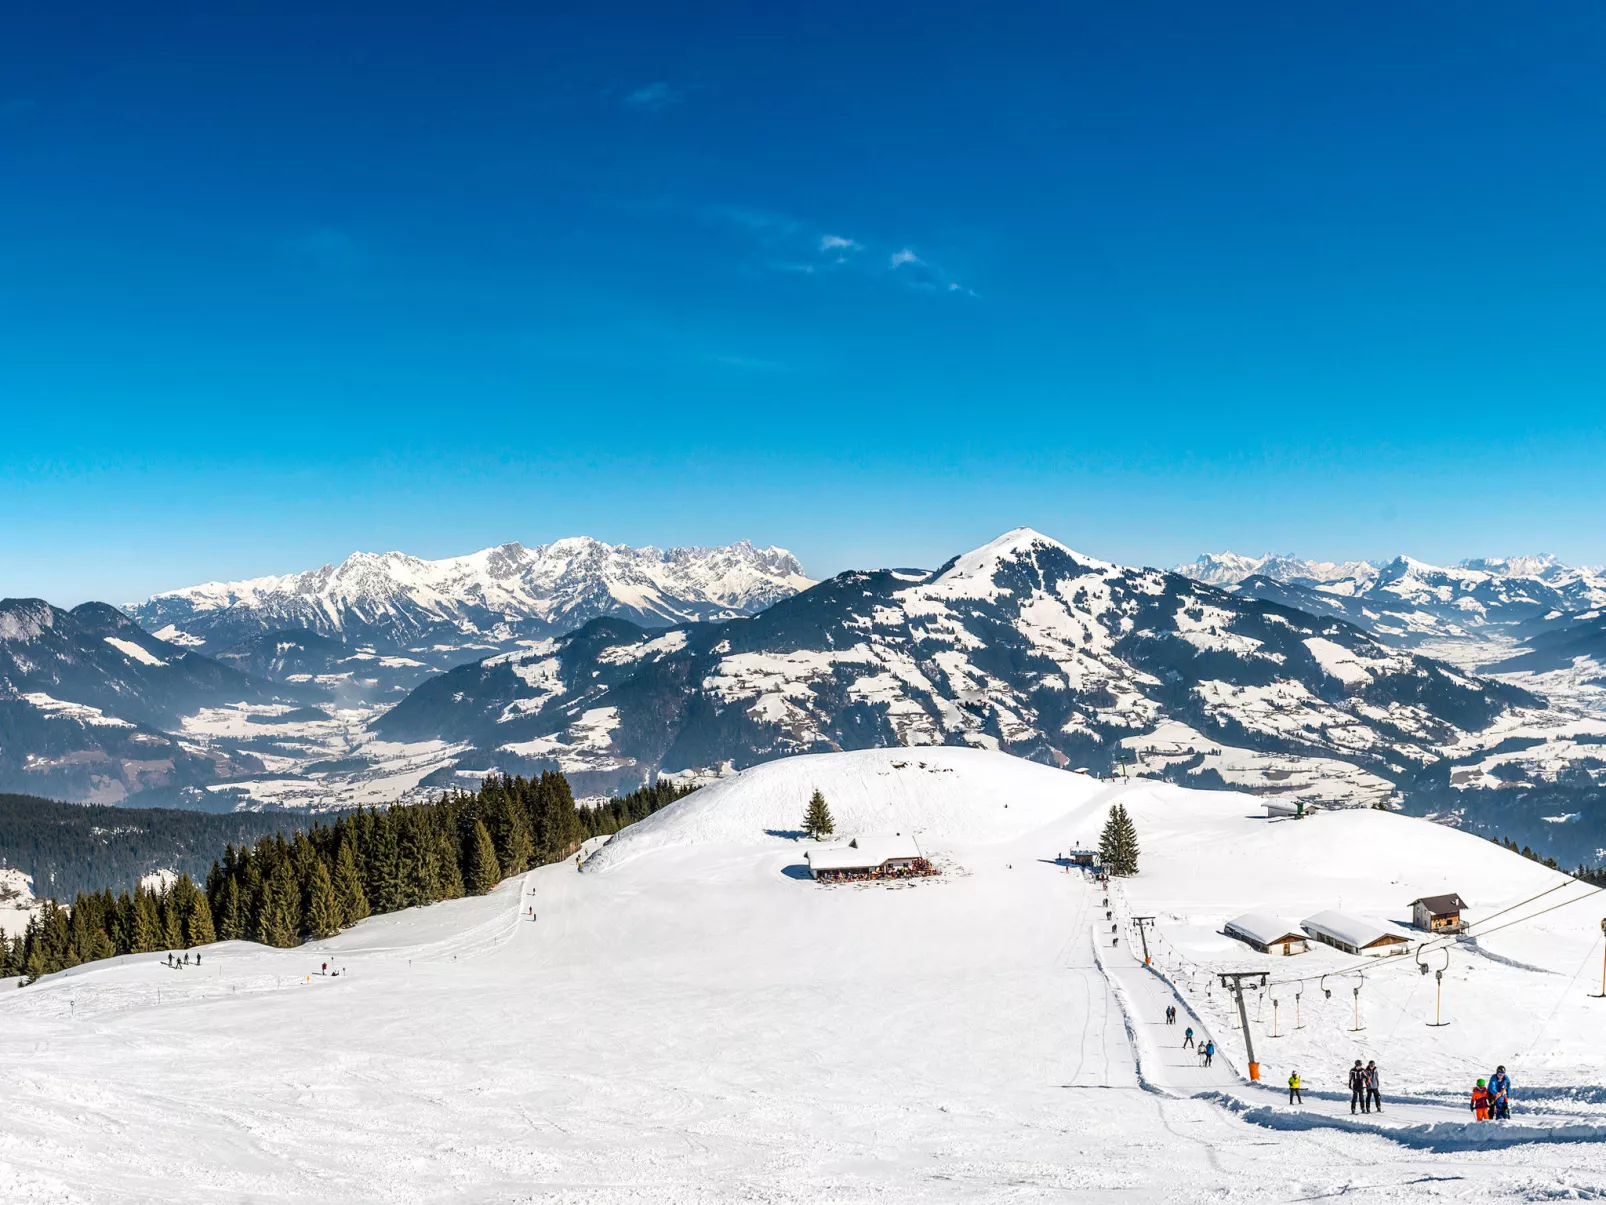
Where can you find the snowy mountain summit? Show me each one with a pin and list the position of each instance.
(1021, 645)
(487, 597)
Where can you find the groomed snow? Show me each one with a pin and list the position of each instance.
(700, 1022)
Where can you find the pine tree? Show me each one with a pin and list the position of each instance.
(817, 822)
(323, 912)
(230, 911)
(277, 923)
(348, 886)
(483, 867)
(147, 930)
(451, 872)
(198, 927)
(172, 924)
(1118, 843)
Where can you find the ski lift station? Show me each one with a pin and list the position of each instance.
(1266, 933)
(865, 857)
(1438, 913)
(1354, 935)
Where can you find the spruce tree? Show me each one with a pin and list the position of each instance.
(348, 886)
(147, 930)
(1118, 843)
(323, 912)
(198, 927)
(172, 922)
(451, 872)
(230, 911)
(483, 866)
(817, 822)
(277, 921)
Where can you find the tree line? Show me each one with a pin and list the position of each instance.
(67, 848)
(281, 890)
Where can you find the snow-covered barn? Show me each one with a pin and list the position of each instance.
(1353, 934)
(866, 857)
(1267, 933)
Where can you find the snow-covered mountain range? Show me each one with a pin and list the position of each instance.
(1488, 606)
(377, 624)
(88, 702)
(1022, 645)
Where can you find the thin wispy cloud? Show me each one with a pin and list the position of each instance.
(653, 97)
(923, 274)
(787, 245)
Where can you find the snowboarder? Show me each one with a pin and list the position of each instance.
(1187, 1037)
(1373, 1100)
(1500, 1094)
(1294, 1093)
(1357, 1087)
(1210, 1052)
(1480, 1102)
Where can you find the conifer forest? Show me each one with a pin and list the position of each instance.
(281, 890)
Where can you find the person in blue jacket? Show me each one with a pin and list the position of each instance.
(1500, 1094)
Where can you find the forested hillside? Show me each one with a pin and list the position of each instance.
(279, 891)
(70, 847)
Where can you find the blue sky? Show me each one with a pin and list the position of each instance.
(871, 282)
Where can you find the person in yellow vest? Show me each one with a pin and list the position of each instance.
(1294, 1094)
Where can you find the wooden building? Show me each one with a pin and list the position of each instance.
(1438, 913)
(1266, 933)
(1353, 934)
(868, 858)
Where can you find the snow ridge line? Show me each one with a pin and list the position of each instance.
(1127, 1010)
(1441, 1136)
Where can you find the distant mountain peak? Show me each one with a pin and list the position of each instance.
(497, 593)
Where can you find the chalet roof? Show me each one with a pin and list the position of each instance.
(1264, 928)
(862, 853)
(1440, 905)
(1350, 930)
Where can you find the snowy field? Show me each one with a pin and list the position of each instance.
(691, 1019)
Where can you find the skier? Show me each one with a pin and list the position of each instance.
(1294, 1093)
(1373, 1100)
(1357, 1087)
(1480, 1102)
(1187, 1037)
(197, 958)
(325, 969)
(1210, 1052)
(1500, 1094)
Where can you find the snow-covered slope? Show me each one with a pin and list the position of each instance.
(937, 794)
(1022, 645)
(695, 1024)
(402, 601)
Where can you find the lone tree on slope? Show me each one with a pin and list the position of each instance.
(1118, 843)
(817, 820)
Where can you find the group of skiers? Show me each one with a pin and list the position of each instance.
(1205, 1049)
(1364, 1088)
(174, 962)
(1491, 1099)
